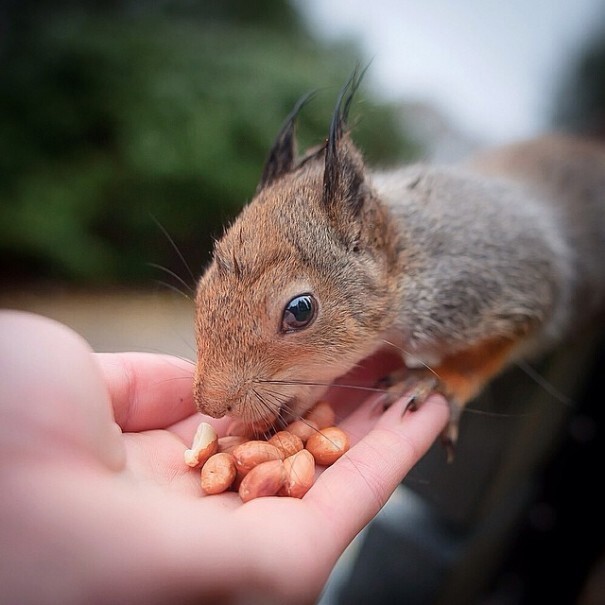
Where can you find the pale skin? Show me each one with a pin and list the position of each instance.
(93, 513)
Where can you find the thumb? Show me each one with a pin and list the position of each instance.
(53, 400)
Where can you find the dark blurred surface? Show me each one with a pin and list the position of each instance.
(517, 519)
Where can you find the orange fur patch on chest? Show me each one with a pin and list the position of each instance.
(463, 374)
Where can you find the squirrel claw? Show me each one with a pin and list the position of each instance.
(449, 435)
(449, 446)
(416, 386)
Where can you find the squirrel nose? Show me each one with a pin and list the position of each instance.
(209, 400)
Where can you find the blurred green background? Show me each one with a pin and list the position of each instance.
(122, 121)
(119, 116)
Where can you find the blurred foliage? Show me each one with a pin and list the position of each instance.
(117, 114)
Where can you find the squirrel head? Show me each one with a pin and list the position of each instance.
(298, 290)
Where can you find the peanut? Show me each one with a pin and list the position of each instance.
(279, 466)
(266, 479)
(328, 445)
(287, 443)
(322, 414)
(300, 474)
(218, 473)
(205, 444)
(252, 453)
(302, 428)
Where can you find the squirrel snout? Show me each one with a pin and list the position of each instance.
(210, 401)
(216, 410)
(215, 407)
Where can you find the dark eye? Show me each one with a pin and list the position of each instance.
(299, 313)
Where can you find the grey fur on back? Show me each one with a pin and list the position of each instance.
(568, 174)
(489, 242)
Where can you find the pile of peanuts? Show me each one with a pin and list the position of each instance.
(283, 465)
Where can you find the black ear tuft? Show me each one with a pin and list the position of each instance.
(343, 173)
(282, 154)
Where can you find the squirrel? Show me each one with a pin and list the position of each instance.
(463, 270)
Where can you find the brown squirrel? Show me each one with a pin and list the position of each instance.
(463, 270)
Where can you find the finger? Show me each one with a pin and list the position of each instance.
(148, 391)
(368, 474)
(52, 395)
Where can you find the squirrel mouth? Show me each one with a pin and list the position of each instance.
(271, 421)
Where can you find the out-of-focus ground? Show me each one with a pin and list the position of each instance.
(120, 320)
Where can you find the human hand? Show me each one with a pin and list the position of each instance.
(91, 513)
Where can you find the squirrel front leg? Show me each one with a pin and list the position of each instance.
(459, 377)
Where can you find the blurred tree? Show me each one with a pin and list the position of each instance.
(116, 112)
(580, 106)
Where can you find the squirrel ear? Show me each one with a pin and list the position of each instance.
(283, 152)
(344, 169)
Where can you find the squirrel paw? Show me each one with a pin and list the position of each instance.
(418, 385)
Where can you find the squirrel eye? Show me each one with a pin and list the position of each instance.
(299, 313)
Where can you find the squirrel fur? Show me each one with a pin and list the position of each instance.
(461, 269)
